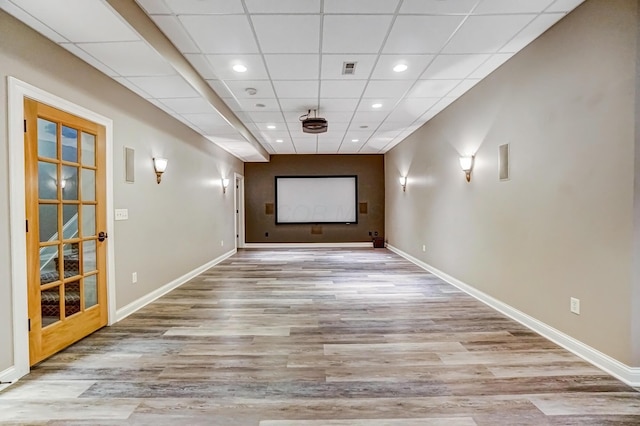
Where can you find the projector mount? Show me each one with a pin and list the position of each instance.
(313, 124)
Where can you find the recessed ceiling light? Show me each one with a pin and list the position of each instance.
(355, 140)
(376, 106)
(279, 140)
(271, 127)
(400, 68)
(239, 68)
(364, 127)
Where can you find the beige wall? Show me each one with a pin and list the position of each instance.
(260, 190)
(562, 226)
(173, 227)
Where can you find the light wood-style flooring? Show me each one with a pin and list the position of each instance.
(312, 337)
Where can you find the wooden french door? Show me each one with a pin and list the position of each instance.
(66, 228)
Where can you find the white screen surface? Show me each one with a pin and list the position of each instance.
(316, 199)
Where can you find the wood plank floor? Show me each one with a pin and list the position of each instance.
(317, 337)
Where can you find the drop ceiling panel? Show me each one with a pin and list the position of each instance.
(511, 6)
(354, 34)
(89, 59)
(31, 21)
(154, 7)
(437, 7)
(79, 20)
(341, 105)
(222, 67)
(202, 66)
(216, 34)
(293, 67)
(332, 66)
(386, 104)
(299, 105)
(341, 89)
(288, 33)
(266, 117)
(387, 88)
(283, 6)
(416, 64)
(409, 110)
(188, 105)
(257, 104)
(421, 34)
(454, 66)
(129, 58)
(564, 5)
(432, 88)
(493, 63)
(238, 88)
(173, 29)
(164, 87)
(463, 87)
(486, 34)
(360, 6)
(194, 7)
(539, 25)
(134, 88)
(296, 89)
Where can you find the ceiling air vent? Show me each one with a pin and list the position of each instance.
(313, 124)
(349, 68)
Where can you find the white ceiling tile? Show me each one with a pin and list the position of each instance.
(293, 117)
(387, 88)
(296, 89)
(173, 29)
(252, 104)
(164, 87)
(491, 65)
(129, 58)
(298, 104)
(239, 88)
(89, 59)
(200, 7)
(453, 66)
(293, 67)
(220, 34)
(370, 116)
(436, 7)
(131, 86)
(354, 33)
(416, 65)
(154, 7)
(336, 117)
(360, 6)
(188, 105)
(31, 21)
(387, 104)
(266, 117)
(511, 6)
(420, 34)
(539, 25)
(361, 135)
(463, 87)
(486, 34)
(265, 126)
(332, 66)
(442, 104)
(283, 6)
(336, 129)
(409, 110)
(564, 5)
(201, 65)
(341, 89)
(79, 20)
(203, 120)
(432, 88)
(288, 33)
(341, 105)
(222, 66)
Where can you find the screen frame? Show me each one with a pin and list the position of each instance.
(355, 207)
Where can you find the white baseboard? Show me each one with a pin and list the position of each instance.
(308, 245)
(132, 307)
(9, 377)
(629, 375)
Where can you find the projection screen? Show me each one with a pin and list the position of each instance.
(316, 199)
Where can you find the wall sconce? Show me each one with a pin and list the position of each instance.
(466, 163)
(403, 182)
(225, 183)
(159, 165)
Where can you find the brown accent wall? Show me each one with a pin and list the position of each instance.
(260, 196)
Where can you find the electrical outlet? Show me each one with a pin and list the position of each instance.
(121, 214)
(134, 278)
(424, 247)
(575, 306)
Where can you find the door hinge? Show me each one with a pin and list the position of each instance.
(27, 225)
(29, 324)
(25, 126)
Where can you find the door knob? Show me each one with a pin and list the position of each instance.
(102, 236)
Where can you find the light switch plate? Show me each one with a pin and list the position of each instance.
(122, 214)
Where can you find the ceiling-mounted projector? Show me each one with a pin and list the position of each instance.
(313, 124)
